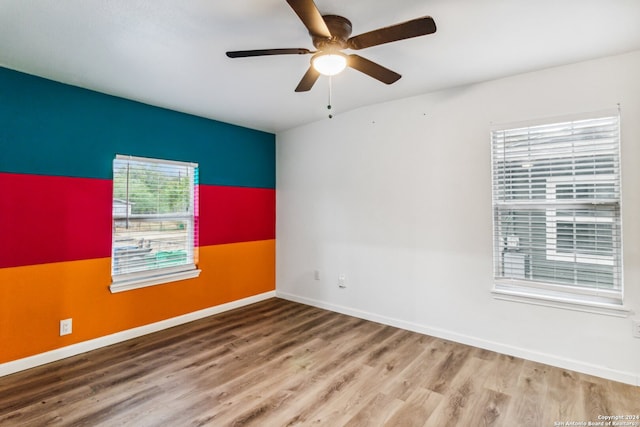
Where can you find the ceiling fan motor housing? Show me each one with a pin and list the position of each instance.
(340, 29)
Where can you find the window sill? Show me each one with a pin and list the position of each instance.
(567, 303)
(143, 282)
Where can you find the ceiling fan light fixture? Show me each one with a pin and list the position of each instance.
(329, 64)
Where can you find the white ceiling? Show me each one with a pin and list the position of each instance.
(171, 53)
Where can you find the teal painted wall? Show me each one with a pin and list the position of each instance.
(49, 128)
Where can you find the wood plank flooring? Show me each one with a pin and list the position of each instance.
(279, 363)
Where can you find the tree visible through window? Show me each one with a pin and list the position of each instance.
(154, 220)
(556, 201)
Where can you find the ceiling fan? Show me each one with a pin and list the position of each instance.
(330, 35)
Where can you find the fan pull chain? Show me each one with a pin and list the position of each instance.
(329, 105)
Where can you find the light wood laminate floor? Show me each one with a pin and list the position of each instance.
(280, 363)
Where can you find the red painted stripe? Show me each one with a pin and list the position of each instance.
(236, 214)
(47, 219)
(53, 219)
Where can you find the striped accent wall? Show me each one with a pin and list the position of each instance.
(57, 144)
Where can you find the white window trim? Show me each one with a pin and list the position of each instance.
(166, 275)
(154, 160)
(564, 302)
(143, 279)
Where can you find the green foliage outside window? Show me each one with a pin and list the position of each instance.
(152, 190)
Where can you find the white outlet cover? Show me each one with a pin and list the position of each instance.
(66, 327)
(341, 279)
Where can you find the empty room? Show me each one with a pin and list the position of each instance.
(318, 212)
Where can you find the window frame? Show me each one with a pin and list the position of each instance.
(138, 279)
(536, 291)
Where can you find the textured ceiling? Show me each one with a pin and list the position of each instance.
(171, 53)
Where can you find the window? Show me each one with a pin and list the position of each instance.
(155, 215)
(556, 207)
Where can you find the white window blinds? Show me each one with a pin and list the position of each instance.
(556, 201)
(154, 219)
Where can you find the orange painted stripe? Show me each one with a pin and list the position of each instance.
(33, 299)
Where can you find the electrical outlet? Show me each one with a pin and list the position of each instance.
(341, 281)
(636, 327)
(65, 327)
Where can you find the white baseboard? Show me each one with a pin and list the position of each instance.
(548, 359)
(72, 350)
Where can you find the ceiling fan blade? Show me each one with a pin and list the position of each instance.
(265, 52)
(308, 80)
(406, 30)
(310, 17)
(372, 69)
